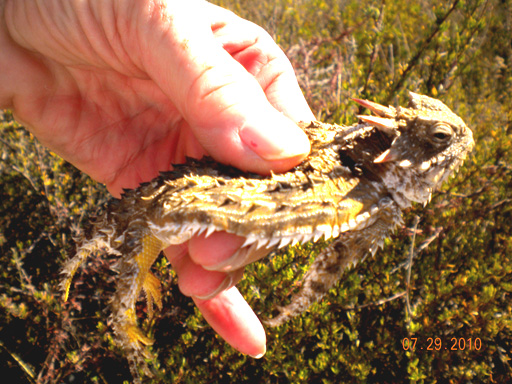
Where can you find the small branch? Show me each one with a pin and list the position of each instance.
(414, 61)
(25, 367)
(375, 50)
(409, 268)
(376, 303)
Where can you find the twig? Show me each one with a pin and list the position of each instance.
(376, 303)
(25, 367)
(414, 61)
(409, 268)
(375, 50)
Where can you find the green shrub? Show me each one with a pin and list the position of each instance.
(460, 281)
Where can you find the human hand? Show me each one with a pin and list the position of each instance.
(123, 89)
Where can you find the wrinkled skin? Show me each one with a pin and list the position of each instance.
(123, 89)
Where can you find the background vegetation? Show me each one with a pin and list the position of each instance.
(458, 285)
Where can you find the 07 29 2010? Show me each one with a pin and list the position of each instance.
(437, 343)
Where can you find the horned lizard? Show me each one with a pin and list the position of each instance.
(351, 189)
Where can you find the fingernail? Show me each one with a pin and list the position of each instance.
(234, 262)
(260, 355)
(240, 258)
(276, 138)
(226, 283)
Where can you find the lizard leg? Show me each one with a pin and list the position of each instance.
(349, 249)
(134, 275)
(152, 289)
(70, 269)
(98, 243)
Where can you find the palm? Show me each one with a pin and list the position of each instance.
(116, 117)
(118, 129)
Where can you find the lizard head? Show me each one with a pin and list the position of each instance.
(429, 143)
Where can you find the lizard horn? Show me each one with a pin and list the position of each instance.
(378, 109)
(385, 125)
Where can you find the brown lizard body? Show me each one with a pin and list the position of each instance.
(351, 188)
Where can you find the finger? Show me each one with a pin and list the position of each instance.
(257, 52)
(194, 280)
(214, 249)
(232, 318)
(224, 105)
(227, 312)
(221, 251)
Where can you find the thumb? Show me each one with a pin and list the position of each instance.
(224, 104)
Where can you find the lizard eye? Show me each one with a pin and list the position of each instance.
(440, 133)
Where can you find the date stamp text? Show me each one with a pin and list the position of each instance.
(437, 344)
